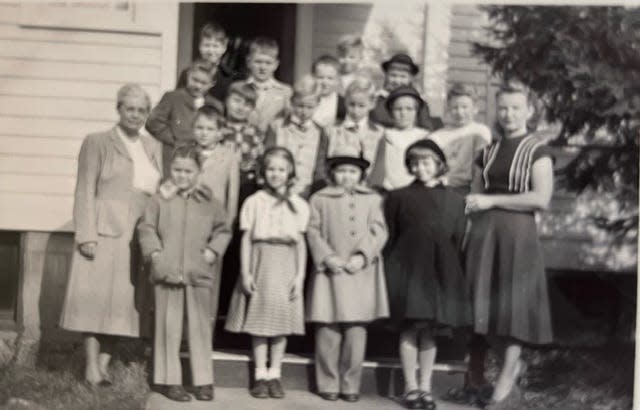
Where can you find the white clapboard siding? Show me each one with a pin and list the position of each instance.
(40, 147)
(38, 184)
(330, 21)
(49, 127)
(57, 51)
(57, 86)
(34, 165)
(54, 216)
(72, 71)
(467, 26)
(91, 90)
(67, 108)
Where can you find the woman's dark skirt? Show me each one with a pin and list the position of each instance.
(506, 276)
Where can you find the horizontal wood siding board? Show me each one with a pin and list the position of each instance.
(38, 184)
(41, 147)
(78, 71)
(44, 165)
(466, 10)
(66, 108)
(476, 76)
(9, 12)
(460, 35)
(327, 12)
(15, 32)
(56, 216)
(89, 90)
(49, 127)
(48, 50)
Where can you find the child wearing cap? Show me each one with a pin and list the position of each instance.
(306, 140)
(463, 138)
(273, 95)
(388, 171)
(357, 131)
(350, 49)
(422, 265)
(400, 70)
(347, 288)
(170, 122)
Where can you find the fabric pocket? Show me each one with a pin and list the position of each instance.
(112, 217)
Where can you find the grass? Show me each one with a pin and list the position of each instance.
(578, 379)
(57, 381)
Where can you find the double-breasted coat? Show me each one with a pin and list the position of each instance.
(100, 292)
(343, 224)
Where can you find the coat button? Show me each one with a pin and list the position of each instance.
(352, 205)
(353, 233)
(352, 218)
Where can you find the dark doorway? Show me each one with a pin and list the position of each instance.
(245, 21)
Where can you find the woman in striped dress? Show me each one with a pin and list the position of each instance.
(504, 260)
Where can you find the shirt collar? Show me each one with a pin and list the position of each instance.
(303, 126)
(349, 124)
(124, 135)
(382, 93)
(337, 191)
(261, 85)
(199, 193)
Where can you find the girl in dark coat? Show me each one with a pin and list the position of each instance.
(422, 265)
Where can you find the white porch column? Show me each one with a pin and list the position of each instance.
(437, 34)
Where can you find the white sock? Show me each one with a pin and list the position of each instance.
(262, 373)
(274, 373)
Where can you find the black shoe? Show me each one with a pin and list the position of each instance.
(350, 397)
(328, 395)
(203, 393)
(275, 389)
(260, 389)
(176, 393)
(413, 399)
(427, 401)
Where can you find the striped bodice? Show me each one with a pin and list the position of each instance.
(507, 163)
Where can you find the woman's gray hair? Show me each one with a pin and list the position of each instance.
(128, 90)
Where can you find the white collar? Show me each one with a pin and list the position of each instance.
(261, 85)
(349, 123)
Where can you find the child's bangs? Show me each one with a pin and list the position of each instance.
(418, 153)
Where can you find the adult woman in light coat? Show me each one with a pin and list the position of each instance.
(118, 170)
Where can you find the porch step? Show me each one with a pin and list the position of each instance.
(234, 368)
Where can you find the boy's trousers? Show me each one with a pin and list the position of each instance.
(340, 349)
(174, 305)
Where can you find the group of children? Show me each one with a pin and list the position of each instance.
(305, 168)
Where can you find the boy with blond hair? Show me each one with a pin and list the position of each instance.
(462, 138)
(273, 95)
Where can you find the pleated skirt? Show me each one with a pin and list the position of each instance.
(269, 311)
(506, 277)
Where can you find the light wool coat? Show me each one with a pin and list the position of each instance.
(100, 292)
(345, 224)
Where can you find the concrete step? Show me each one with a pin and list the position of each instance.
(237, 398)
(383, 376)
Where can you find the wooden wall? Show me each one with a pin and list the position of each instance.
(57, 85)
(467, 25)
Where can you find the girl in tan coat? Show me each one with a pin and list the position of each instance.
(347, 289)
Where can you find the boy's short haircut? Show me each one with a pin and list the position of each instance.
(325, 59)
(189, 151)
(361, 84)
(204, 66)
(349, 42)
(461, 90)
(244, 90)
(213, 30)
(264, 45)
(209, 112)
(306, 86)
